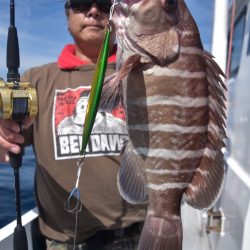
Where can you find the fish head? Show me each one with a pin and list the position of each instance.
(153, 28)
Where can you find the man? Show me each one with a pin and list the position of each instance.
(105, 220)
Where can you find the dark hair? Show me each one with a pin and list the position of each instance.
(84, 93)
(67, 4)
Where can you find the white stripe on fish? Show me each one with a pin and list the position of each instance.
(215, 130)
(191, 51)
(164, 71)
(185, 32)
(210, 153)
(168, 215)
(168, 128)
(203, 172)
(168, 171)
(194, 188)
(165, 186)
(182, 101)
(170, 154)
(176, 154)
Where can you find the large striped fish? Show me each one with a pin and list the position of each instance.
(173, 97)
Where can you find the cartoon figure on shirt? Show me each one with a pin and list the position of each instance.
(108, 133)
(74, 124)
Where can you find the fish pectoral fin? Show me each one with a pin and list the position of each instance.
(130, 180)
(111, 93)
(131, 63)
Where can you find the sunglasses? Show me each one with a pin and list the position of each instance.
(85, 5)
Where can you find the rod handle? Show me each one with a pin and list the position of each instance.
(16, 159)
(20, 239)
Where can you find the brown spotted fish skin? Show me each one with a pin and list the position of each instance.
(174, 104)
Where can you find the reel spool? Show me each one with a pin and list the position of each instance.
(17, 101)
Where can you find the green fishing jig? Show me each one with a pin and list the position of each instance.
(96, 90)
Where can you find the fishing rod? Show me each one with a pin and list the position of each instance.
(18, 101)
(13, 63)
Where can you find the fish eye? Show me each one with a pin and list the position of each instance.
(170, 4)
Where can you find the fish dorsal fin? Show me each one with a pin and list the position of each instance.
(112, 94)
(130, 180)
(208, 180)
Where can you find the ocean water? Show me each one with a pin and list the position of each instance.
(7, 188)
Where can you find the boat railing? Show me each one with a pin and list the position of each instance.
(6, 233)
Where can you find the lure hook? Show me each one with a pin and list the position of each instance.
(71, 205)
(75, 193)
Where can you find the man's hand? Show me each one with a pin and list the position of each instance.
(10, 138)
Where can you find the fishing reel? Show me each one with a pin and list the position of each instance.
(17, 100)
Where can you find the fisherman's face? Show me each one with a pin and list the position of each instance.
(87, 20)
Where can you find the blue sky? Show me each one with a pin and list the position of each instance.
(42, 29)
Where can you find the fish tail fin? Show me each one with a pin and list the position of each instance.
(161, 234)
(207, 182)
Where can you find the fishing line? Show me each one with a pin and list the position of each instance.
(73, 204)
(27, 17)
(112, 9)
(230, 46)
(75, 194)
